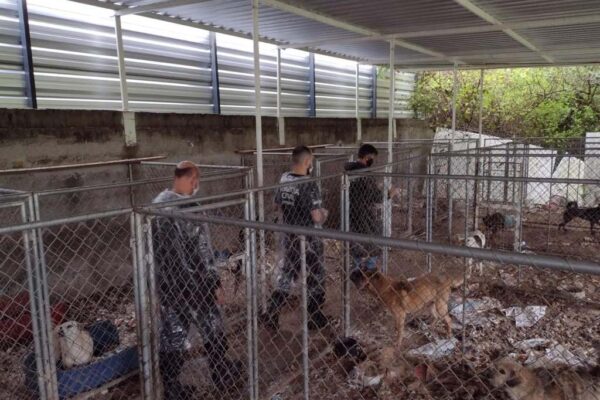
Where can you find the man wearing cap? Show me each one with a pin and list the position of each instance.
(189, 290)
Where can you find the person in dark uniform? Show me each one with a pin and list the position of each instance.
(365, 195)
(300, 204)
(189, 290)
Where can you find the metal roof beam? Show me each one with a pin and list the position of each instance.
(327, 20)
(154, 5)
(545, 23)
(481, 13)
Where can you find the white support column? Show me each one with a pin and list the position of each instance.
(450, 185)
(454, 90)
(257, 96)
(391, 119)
(121, 64)
(280, 119)
(387, 181)
(259, 156)
(357, 106)
(481, 76)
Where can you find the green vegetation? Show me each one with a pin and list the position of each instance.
(553, 103)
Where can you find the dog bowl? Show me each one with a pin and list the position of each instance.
(78, 380)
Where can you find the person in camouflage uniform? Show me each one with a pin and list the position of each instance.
(189, 290)
(301, 205)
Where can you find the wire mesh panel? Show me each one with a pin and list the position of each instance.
(140, 190)
(18, 316)
(198, 279)
(90, 274)
(442, 333)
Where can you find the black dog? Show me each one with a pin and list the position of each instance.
(494, 222)
(573, 211)
(348, 352)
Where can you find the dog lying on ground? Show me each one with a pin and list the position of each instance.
(402, 297)
(73, 344)
(476, 241)
(573, 211)
(522, 383)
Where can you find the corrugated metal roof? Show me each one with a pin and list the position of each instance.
(429, 33)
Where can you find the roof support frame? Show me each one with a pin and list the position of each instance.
(545, 23)
(154, 5)
(327, 20)
(481, 13)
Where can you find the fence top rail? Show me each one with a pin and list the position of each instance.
(7, 195)
(173, 164)
(289, 154)
(207, 177)
(475, 177)
(527, 153)
(503, 257)
(64, 221)
(240, 193)
(79, 166)
(253, 151)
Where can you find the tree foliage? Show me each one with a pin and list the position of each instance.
(549, 103)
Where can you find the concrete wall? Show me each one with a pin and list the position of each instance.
(31, 138)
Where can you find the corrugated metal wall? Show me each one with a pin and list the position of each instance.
(405, 85)
(12, 83)
(168, 68)
(335, 87)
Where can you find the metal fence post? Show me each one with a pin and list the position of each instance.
(43, 299)
(476, 186)
(449, 195)
(147, 306)
(252, 291)
(387, 217)
(30, 245)
(305, 361)
(345, 197)
(429, 212)
(409, 207)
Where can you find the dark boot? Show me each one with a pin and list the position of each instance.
(316, 318)
(170, 365)
(270, 319)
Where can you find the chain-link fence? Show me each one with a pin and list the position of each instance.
(332, 329)
(142, 181)
(518, 196)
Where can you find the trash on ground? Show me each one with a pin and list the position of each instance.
(435, 350)
(365, 375)
(526, 317)
(556, 355)
(476, 311)
(533, 344)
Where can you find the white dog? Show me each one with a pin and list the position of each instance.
(477, 241)
(73, 344)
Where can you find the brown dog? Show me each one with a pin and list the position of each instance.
(522, 383)
(403, 297)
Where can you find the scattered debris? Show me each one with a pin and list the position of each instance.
(364, 376)
(477, 311)
(533, 344)
(435, 350)
(526, 317)
(556, 355)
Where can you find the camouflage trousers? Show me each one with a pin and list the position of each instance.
(292, 264)
(176, 322)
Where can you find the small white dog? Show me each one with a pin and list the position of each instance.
(73, 344)
(477, 241)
